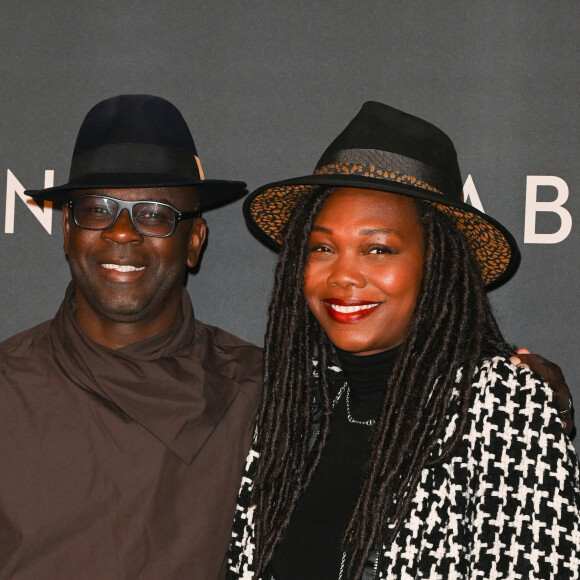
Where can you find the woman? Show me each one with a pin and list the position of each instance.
(395, 438)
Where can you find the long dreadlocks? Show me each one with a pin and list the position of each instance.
(451, 329)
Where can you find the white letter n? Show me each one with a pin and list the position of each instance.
(14, 188)
(533, 206)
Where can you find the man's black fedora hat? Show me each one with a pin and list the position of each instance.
(386, 149)
(133, 141)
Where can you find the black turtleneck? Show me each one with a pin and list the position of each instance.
(310, 549)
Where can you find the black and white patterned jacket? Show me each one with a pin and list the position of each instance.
(505, 505)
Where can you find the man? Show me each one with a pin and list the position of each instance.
(125, 421)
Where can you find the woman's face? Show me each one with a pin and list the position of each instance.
(364, 270)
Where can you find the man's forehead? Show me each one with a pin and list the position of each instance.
(171, 194)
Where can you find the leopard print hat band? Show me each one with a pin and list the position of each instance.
(388, 150)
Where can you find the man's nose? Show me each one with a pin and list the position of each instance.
(122, 231)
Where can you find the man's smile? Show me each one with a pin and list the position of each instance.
(123, 267)
(122, 273)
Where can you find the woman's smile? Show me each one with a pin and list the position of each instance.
(347, 311)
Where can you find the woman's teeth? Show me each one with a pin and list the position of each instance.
(349, 309)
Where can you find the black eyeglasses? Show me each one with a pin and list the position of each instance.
(149, 218)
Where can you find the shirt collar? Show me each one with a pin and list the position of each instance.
(161, 383)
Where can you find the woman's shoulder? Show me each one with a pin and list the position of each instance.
(513, 406)
(498, 382)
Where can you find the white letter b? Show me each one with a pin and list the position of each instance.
(533, 206)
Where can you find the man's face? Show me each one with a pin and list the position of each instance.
(128, 281)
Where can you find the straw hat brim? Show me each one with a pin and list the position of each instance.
(268, 209)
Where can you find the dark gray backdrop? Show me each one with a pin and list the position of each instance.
(265, 86)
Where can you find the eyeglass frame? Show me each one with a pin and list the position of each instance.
(128, 205)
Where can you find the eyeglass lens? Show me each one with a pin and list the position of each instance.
(148, 218)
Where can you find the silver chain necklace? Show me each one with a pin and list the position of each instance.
(345, 387)
(343, 562)
(368, 423)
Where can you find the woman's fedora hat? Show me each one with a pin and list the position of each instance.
(385, 149)
(133, 141)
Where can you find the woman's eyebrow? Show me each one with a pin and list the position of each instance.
(321, 229)
(363, 231)
(370, 231)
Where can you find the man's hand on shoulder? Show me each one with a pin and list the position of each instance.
(552, 374)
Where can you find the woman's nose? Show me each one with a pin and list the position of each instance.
(345, 272)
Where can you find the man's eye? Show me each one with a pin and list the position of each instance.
(321, 249)
(95, 211)
(153, 216)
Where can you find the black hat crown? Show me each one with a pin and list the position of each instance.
(385, 137)
(134, 141)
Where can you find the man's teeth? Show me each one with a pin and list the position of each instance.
(122, 268)
(349, 309)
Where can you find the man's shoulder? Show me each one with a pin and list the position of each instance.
(221, 337)
(224, 348)
(23, 342)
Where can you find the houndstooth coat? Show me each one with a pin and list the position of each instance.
(505, 505)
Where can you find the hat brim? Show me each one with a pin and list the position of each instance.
(268, 209)
(214, 192)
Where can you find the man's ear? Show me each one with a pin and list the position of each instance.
(65, 227)
(196, 241)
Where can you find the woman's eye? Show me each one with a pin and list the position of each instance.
(381, 250)
(321, 249)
